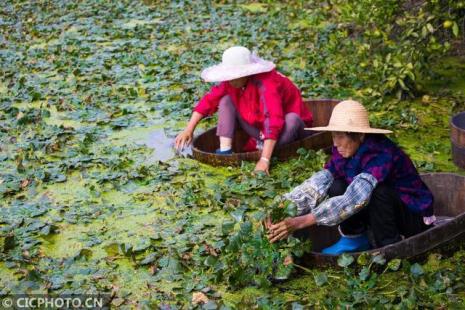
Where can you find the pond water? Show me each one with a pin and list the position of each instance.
(153, 137)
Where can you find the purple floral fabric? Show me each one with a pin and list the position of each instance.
(384, 160)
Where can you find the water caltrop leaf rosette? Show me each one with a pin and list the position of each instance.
(248, 258)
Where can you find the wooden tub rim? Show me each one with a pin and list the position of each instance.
(240, 155)
(454, 117)
(454, 221)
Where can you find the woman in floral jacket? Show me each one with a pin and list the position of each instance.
(368, 183)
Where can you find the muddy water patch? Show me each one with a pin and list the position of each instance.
(154, 137)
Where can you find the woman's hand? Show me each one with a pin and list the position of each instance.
(183, 139)
(280, 230)
(284, 228)
(267, 222)
(262, 165)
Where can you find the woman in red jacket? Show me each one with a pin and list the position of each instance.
(253, 95)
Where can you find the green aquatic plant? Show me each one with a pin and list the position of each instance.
(248, 258)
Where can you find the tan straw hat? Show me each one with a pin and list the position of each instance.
(349, 116)
(237, 62)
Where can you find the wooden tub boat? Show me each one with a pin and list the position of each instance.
(457, 137)
(204, 145)
(449, 205)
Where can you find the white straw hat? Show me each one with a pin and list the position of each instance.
(237, 62)
(349, 116)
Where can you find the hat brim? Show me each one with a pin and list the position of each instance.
(350, 129)
(221, 73)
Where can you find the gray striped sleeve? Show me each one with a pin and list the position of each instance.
(336, 209)
(311, 192)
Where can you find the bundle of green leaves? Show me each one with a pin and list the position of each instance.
(248, 258)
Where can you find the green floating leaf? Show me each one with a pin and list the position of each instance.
(363, 259)
(246, 228)
(47, 230)
(394, 264)
(345, 260)
(210, 261)
(238, 215)
(125, 249)
(379, 259)
(227, 227)
(210, 305)
(416, 270)
(255, 7)
(321, 278)
(297, 306)
(364, 273)
(148, 259)
(283, 272)
(259, 215)
(302, 151)
(141, 245)
(170, 265)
